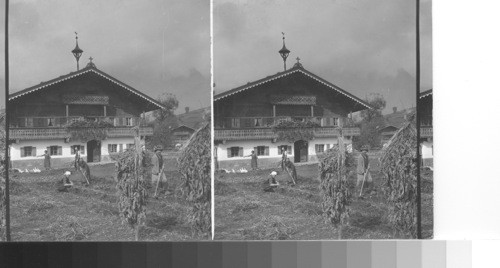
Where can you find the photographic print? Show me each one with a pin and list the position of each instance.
(315, 129)
(109, 120)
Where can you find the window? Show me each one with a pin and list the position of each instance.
(28, 151)
(112, 148)
(288, 149)
(54, 150)
(235, 122)
(50, 122)
(320, 148)
(76, 148)
(330, 121)
(234, 152)
(128, 121)
(262, 150)
(130, 146)
(257, 122)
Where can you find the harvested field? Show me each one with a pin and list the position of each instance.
(90, 213)
(244, 211)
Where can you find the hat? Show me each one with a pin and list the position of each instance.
(158, 148)
(365, 148)
(67, 173)
(274, 173)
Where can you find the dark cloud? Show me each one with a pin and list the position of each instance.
(363, 46)
(154, 46)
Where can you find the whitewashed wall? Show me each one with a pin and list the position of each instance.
(248, 146)
(41, 146)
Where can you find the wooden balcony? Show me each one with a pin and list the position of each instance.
(60, 133)
(267, 122)
(62, 121)
(267, 133)
(426, 132)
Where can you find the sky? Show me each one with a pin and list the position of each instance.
(363, 46)
(155, 46)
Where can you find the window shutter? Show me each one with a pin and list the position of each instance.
(33, 151)
(48, 150)
(109, 148)
(240, 151)
(22, 152)
(228, 152)
(316, 148)
(121, 147)
(267, 150)
(59, 150)
(289, 149)
(82, 149)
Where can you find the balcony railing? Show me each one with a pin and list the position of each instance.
(61, 121)
(267, 122)
(267, 133)
(426, 132)
(61, 133)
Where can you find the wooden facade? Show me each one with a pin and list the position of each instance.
(425, 113)
(292, 95)
(244, 116)
(182, 134)
(39, 114)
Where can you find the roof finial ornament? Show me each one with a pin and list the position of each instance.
(284, 52)
(298, 64)
(91, 64)
(77, 52)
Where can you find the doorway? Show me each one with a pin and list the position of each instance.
(93, 151)
(300, 151)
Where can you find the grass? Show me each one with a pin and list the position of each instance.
(244, 211)
(90, 213)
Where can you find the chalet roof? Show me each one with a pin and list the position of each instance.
(193, 119)
(88, 69)
(295, 69)
(426, 93)
(181, 127)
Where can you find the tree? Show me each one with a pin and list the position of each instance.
(165, 120)
(170, 104)
(371, 119)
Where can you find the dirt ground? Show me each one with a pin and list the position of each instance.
(244, 211)
(89, 213)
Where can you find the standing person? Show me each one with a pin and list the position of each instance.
(77, 158)
(284, 158)
(145, 163)
(253, 162)
(363, 170)
(157, 174)
(46, 161)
